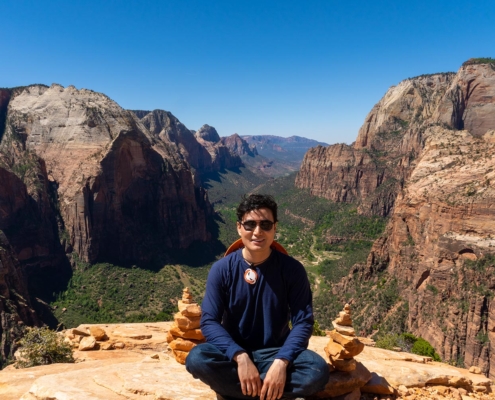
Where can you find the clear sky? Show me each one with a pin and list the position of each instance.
(307, 68)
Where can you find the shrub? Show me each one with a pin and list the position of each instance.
(424, 348)
(317, 331)
(388, 341)
(479, 60)
(409, 343)
(42, 346)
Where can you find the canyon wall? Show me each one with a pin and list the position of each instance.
(373, 169)
(439, 245)
(122, 191)
(203, 150)
(20, 218)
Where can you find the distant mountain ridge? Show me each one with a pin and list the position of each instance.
(290, 149)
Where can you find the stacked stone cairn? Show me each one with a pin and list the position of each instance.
(90, 338)
(185, 333)
(343, 345)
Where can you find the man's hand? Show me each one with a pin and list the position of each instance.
(273, 385)
(248, 375)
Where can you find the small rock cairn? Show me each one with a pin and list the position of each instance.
(185, 333)
(343, 345)
(92, 338)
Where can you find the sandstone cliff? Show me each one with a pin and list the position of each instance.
(373, 169)
(436, 257)
(239, 146)
(122, 192)
(204, 151)
(438, 246)
(15, 305)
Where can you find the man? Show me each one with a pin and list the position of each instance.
(251, 295)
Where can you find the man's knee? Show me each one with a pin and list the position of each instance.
(313, 370)
(195, 360)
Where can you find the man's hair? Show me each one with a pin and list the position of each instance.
(255, 202)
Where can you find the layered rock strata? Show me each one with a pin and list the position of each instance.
(438, 245)
(436, 256)
(374, 168)
(185, 332)
(203, 150)
(122, 191)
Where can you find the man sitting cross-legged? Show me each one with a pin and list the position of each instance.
(251, 296)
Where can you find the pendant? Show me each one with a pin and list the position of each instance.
(250, 276)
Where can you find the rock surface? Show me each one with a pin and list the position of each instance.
(15, 306)
(148, 370)
(374, 168)
(424, 156)
(443, 221)
(204, 151)
(122, 190)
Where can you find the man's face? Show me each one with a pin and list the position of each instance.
(257, 240)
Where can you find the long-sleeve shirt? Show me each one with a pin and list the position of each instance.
(238, 316)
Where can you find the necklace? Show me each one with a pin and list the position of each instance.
(252, 264)
(250, 275)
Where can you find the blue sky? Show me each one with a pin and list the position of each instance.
(307, 68)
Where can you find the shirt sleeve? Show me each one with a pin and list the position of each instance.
(213, 307)
(301, 311)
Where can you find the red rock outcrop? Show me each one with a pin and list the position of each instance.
(373, 169)
(439, 244)
(123, 192)
(442, 224)
(204, 150)
(469, 103)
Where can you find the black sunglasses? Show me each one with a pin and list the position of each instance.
(265, 225)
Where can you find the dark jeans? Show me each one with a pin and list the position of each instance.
(307, 375)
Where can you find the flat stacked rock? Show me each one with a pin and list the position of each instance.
(92, 338)
(185, 333)
(343, 345)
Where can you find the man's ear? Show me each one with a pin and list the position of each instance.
(238, 228)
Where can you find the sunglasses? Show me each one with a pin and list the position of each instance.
(265, 225)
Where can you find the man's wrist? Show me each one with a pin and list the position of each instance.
(283, 360)
(238, 355)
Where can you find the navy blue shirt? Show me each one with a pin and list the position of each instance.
(238, 316)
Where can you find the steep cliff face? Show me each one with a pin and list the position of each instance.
(20, 218)
(373, 169)
(15, 306)
(123, 192)
(203, 151)
(4, 102)
(433, 270)
(239, 146)
(469, 103)
(439, 243)
(393, 136)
